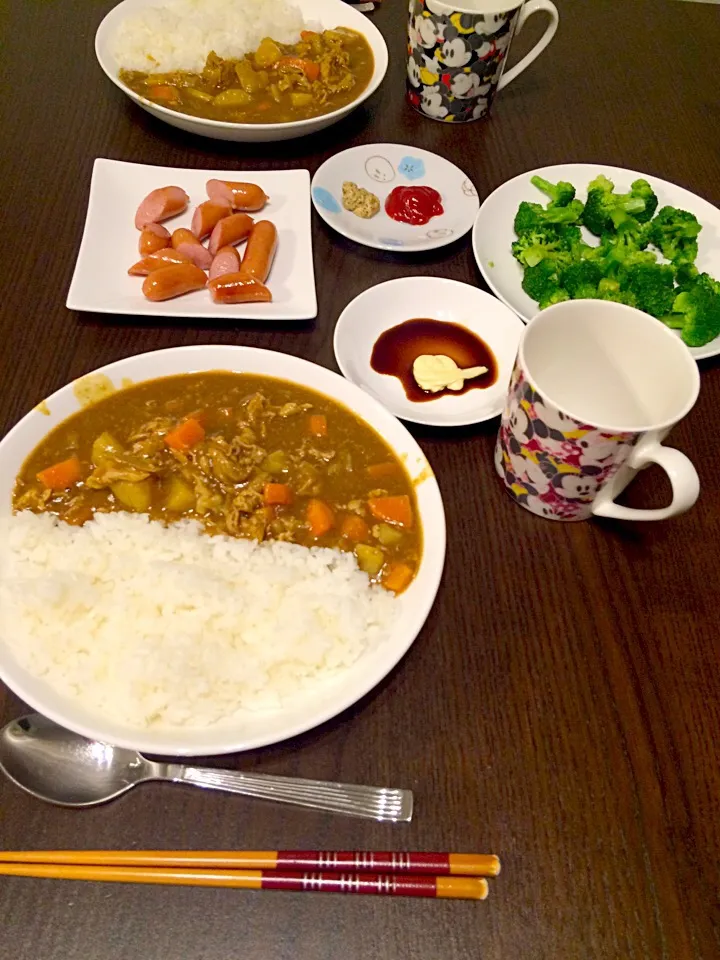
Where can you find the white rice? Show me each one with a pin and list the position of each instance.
(167, 626)
(179, 34)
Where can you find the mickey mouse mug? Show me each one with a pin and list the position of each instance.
(596, 388)
(457, 51)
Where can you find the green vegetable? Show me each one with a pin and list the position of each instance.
(675, 233)
(581, 279)
(533, 216)
(696, 312)
(542, 283)
(642, 189)
(559, 265)
(560, 193)
(534, 246)
(609, 289)
(605, 210)
(653, 284)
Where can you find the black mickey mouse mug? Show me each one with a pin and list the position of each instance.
(457, 52)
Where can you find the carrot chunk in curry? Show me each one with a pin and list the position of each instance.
(245, 455)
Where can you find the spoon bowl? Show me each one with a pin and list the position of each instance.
(58, 766)
(64, 768)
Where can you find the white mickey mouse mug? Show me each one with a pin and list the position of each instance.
(596, 388)
(457, 51)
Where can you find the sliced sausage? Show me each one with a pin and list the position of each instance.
(185, 242)
(241, 196)
(207, 215)
(226, 260)
(260, 251)
(166, 257)
(230, 230)
(153, 237)
(173, 281)
(161, 204)
(238, 288)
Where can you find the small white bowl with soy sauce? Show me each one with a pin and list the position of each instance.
(381, 333)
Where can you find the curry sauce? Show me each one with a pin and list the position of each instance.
(277, 83)
(245, 455)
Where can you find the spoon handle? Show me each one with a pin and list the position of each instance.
(371, 803)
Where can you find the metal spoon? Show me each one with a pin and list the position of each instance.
(61, 767)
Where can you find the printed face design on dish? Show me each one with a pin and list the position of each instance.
(551, 463)
(379, 169)
(455, 60)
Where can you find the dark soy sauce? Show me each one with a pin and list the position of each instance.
(396, 350)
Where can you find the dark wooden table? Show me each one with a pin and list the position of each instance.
(561, 705)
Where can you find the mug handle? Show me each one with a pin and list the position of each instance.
(683, 479)
(528, 9)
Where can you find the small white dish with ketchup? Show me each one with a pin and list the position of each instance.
(382, 334)
(395, 197)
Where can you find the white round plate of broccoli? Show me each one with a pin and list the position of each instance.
(651, 244)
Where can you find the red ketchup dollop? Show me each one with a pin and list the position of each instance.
(415, 205)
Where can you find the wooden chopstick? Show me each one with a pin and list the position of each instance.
(459, 888)
(386, 862)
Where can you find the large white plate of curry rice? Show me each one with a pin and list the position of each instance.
(355, 429)
(157, 38)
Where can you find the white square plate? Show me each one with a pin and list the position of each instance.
(109, 244)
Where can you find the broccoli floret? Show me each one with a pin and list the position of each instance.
(643, 190)
(560, 193)
(605, 209)
(675, 233)
(542, 281)
(581, 279)
(556, 296)
(653, 284)
(532, 216)
(569, 234)
(609, 289)
(527, 218)
(533, 247)
(696, 312)
(685, 274)
(629, 234)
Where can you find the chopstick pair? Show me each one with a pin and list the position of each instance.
(437, 875)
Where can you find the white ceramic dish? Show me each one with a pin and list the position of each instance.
(250, 729)
(387, 304)
(379, 168)
(328, 13)
(493, 231)
(101, 283)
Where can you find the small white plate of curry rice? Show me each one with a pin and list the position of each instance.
(246, 70)
(110, 243)
(209, 549)
(395, 197)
